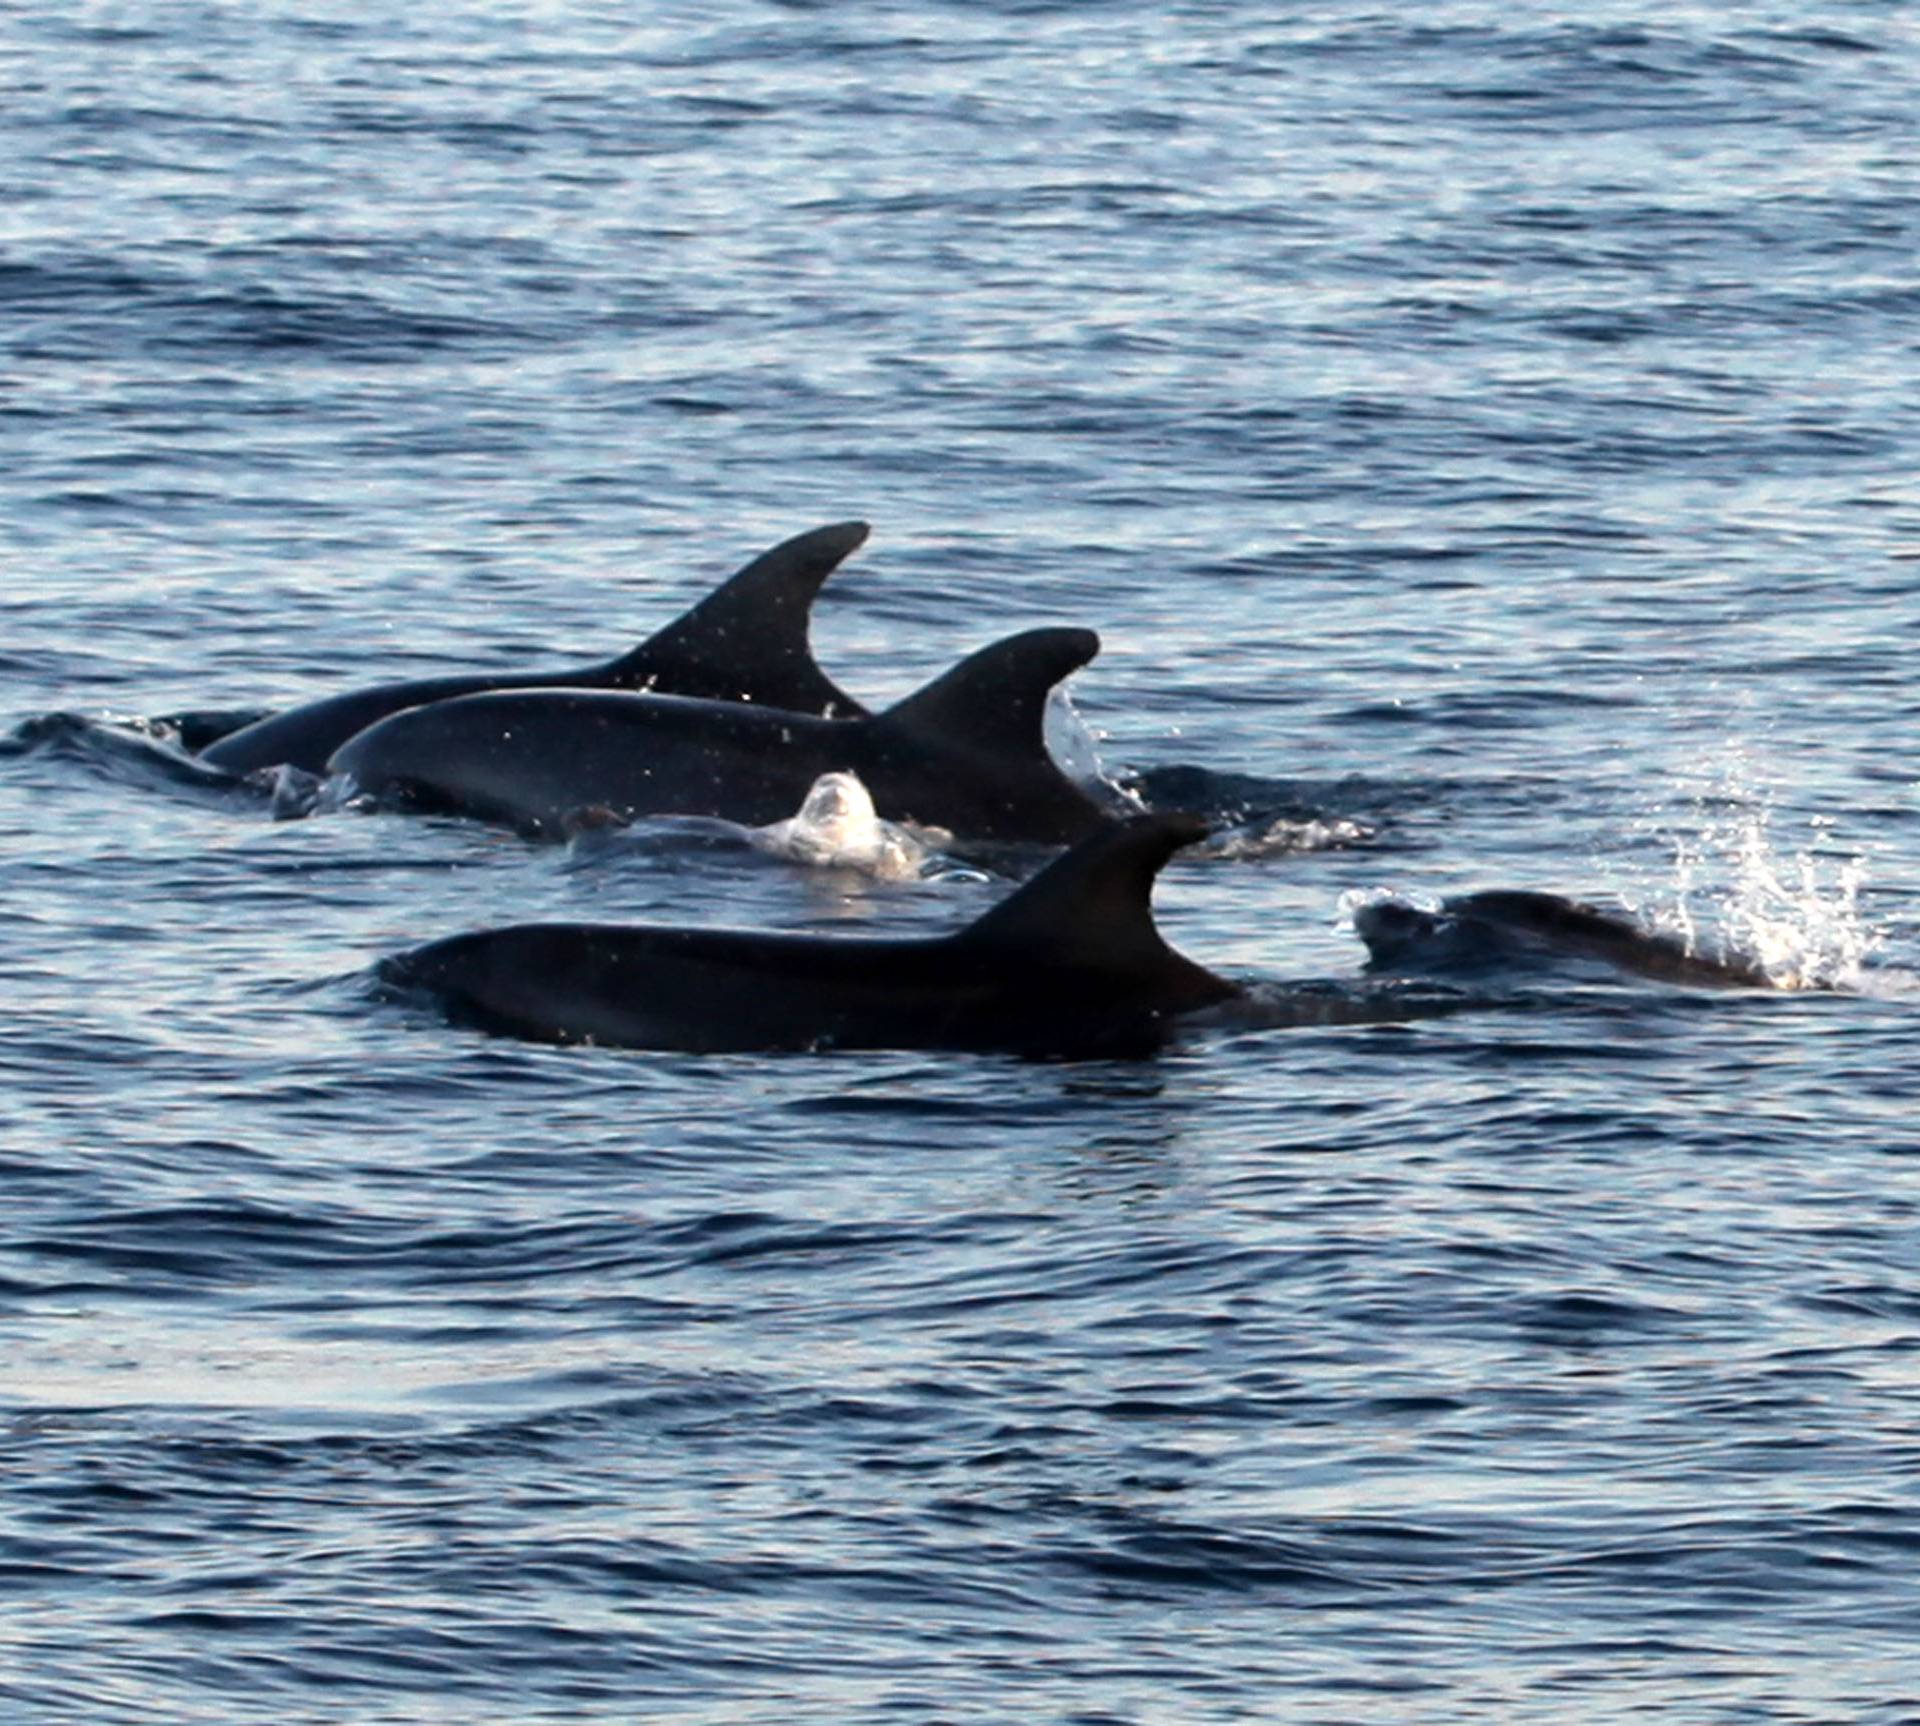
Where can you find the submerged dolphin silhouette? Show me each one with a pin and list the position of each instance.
(1070, 964)
(1475, 928)
(746, 641)
(967, 752)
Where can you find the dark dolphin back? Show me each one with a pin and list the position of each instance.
(1070, 965)
(1571, 925)
(748, 639)
(305, 736)
(986, 720)
(1092, 911)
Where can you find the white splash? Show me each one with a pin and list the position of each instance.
(1353, 901)
(1281, 837)
(838, 827)
(293, 792)
(1739, 887)
(334, 793)
(1074, 747)
(1796, 915)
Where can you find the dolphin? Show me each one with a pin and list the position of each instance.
(1476, 928)
(1070, 964)
(746, 641)
(966, 753)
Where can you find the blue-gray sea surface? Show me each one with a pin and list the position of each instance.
(1486, 439)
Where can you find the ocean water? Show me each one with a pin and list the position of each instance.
(1485, 439)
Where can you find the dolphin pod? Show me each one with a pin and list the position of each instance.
(1070, 964)
(746, 641)
(966, 752)
(725, 713)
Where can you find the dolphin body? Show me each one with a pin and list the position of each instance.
(1069, 965)
(1479, 928)
(966, 752)
(746, 641)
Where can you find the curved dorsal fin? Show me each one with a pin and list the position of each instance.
(747, 640)
(995, 700)
(1093, 908)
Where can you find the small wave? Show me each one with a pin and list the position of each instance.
(121, 749)
(152, 754)
(1285, 837)
(1297, 1006)
(1258, 817)
(1154, 1560)
(292, 792)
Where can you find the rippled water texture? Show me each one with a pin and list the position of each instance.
(1485, 440)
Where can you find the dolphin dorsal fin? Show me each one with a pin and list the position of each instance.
(994, 702)
(748, 639)
(1093, 908)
